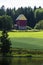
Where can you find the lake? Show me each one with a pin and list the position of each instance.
(20, 61)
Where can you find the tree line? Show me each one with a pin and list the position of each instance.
(33, 15)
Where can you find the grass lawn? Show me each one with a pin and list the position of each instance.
(26, 34)
(27, 40)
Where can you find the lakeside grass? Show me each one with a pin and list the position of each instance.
(27, 40)
(27, 43)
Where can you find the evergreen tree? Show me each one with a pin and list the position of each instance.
(6, 44)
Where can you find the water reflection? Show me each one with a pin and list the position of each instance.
(27, 61)
(5, 61)
(21, 61)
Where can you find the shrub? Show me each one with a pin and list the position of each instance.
(6, 22)
(39, 25)
(5, 43)
(28, 28)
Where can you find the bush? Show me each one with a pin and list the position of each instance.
(6, 22)
(39, 25)
(28, 28)
(5, 43)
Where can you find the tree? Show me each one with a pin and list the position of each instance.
(2, 10)
(35, 8)
(11, 12)
(33, 15)
(39, 25)
(6, 22)
(30, 17)
(6, 44)
(39, 14)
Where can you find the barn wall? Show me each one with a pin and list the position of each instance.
(22, 27)
(21, 22)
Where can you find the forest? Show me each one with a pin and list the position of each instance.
(33, 15)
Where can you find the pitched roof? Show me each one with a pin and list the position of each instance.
(21, 17)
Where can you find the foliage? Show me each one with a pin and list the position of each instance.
(39, 25)
(5, 43)
(32, 15)
(6, 22)
(2, 10)
(39, 14)
(28, 28)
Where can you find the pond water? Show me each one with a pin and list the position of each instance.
(21, 61)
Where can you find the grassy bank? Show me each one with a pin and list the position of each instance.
(27, 40)
(18, 52)
(30, 41)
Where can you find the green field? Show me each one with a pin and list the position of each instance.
(27, 40)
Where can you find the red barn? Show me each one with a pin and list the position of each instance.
(21, 22)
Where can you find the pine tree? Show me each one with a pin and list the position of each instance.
(6, 44)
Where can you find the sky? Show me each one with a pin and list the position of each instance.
(21, 3)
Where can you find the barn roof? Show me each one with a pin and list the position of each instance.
(21, 17)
